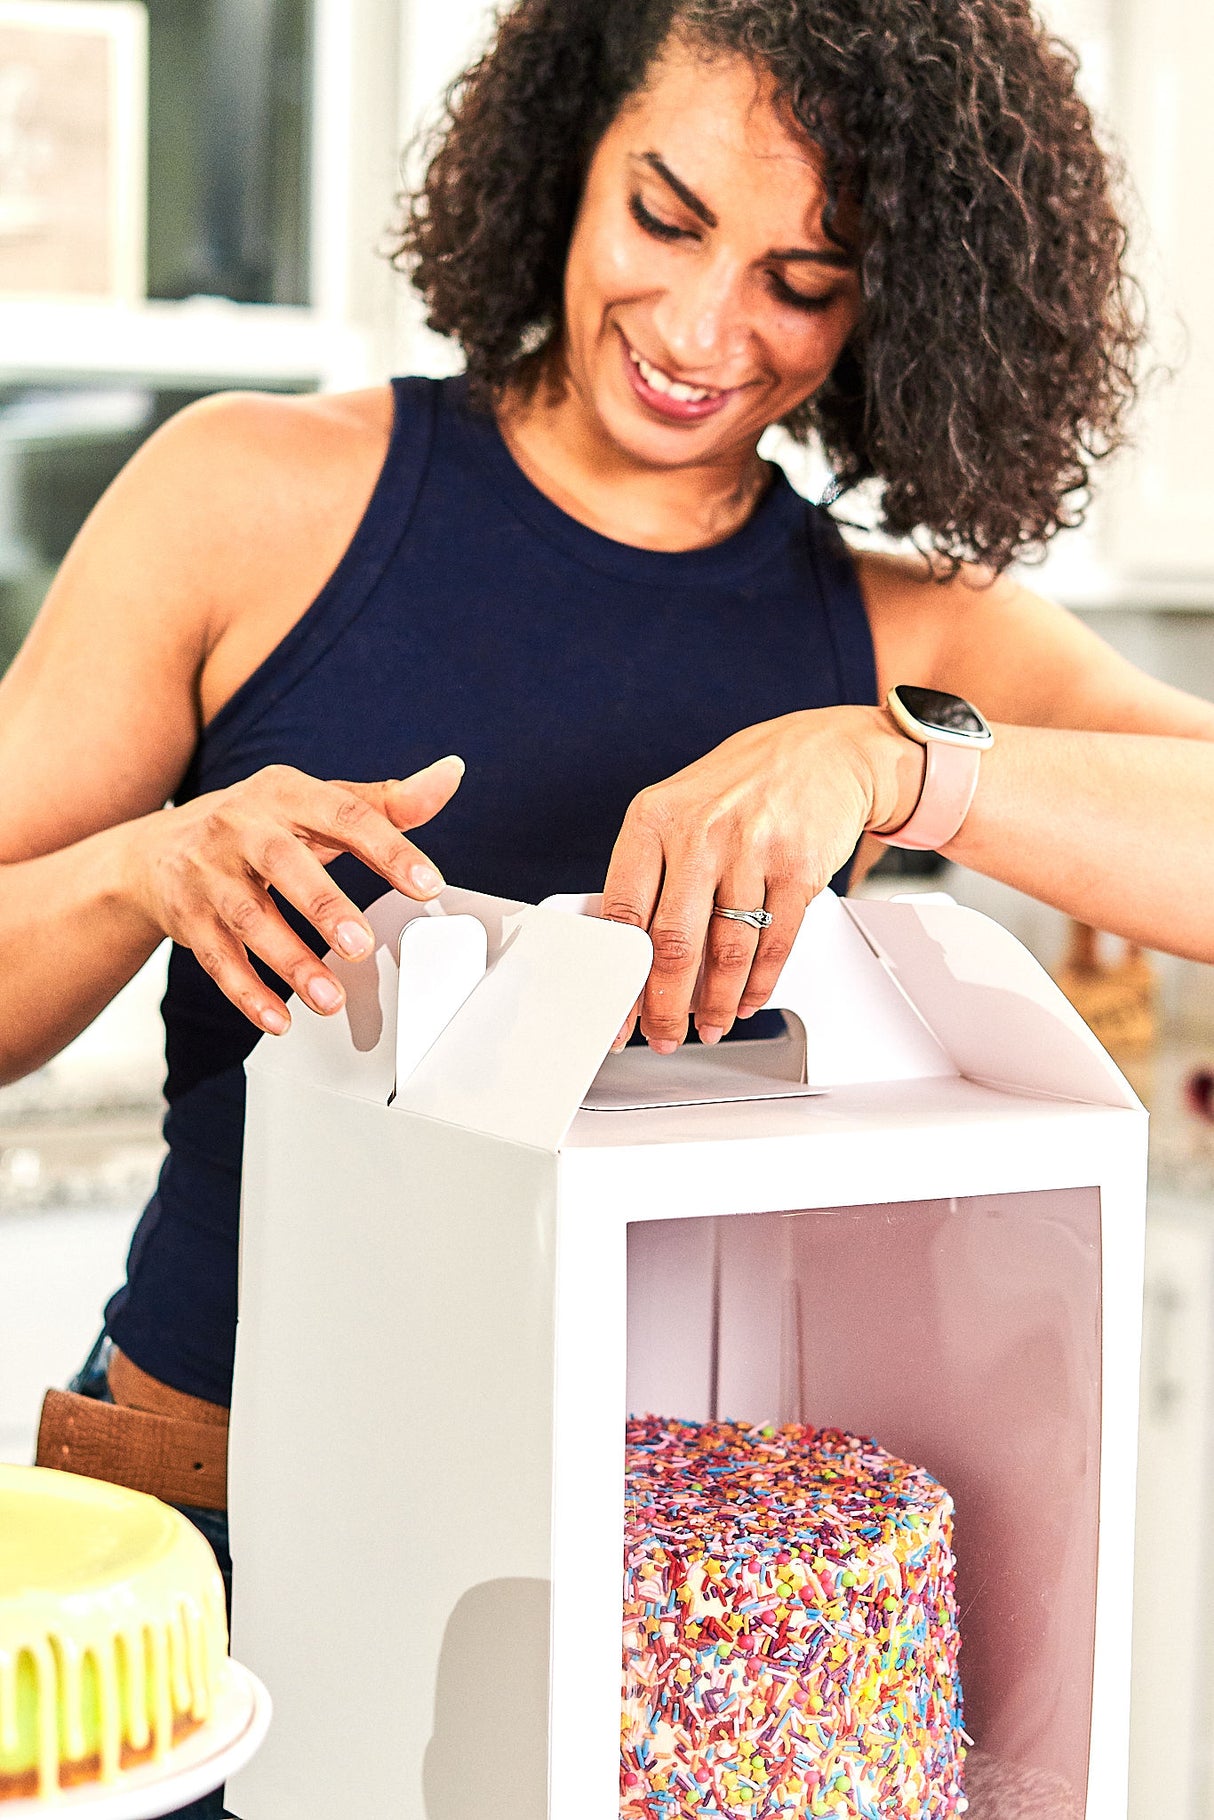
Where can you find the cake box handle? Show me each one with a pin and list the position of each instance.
(858, 1024)
(442, 962)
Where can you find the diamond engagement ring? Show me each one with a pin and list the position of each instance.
(758, 919)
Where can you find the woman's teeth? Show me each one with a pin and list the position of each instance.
(673, 388)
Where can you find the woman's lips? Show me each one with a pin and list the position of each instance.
(662, 403)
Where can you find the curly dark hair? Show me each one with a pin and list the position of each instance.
(996, 353)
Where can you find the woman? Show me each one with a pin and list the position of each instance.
(656, 227)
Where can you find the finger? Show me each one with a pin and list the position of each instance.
(729, 953)
(283, 860)
(295, 872)
(248, 914)
(220, 954)
(786, 902)
(340, 819)
(633, 885)
(678, 933)
(410, 802)
(626, 1029)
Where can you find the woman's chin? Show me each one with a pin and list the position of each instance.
(655, 441)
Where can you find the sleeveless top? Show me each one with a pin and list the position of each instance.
(471, 615)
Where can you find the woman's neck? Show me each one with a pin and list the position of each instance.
(561, 448)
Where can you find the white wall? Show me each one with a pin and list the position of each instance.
(1146, 67)
(58, 1268)
(381, 68)
(437, 41)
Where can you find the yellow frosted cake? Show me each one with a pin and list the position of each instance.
(113, 1632)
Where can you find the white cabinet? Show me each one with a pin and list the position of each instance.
(436, 43)
(1159, 521)
(1145, 68)
(1173, 1703)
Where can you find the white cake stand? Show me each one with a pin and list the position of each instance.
(200, 1763)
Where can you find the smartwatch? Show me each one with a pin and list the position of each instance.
(955, 736)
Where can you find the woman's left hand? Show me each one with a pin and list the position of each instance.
(764, 821)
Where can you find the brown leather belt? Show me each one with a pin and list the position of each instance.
(151, 1438)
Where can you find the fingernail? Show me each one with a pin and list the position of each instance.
(452, 758)
(275, 1021)
(711, 1033)
(326, 995)
(426, 881)
(663, 1046)
(747, 1010)
(354, 940)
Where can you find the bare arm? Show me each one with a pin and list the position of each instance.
(1115, 828)
(70, 937)
(212, 540)
(1098, 797)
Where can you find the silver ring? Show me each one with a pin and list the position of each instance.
(758, 919)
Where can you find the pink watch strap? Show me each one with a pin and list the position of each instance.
(949, 782)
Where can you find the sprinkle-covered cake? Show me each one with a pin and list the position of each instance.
(790, 1629)
(113, 1632)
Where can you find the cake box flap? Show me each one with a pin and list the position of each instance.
(992, 1006)
(884, 991)
(512, 1056)
(517, 1059)
(354, 1052)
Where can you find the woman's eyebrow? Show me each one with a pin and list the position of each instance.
(835, 256)
(687, 197)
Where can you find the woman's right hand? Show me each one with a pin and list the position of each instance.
(202, 874)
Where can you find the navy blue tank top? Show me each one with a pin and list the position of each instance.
(470, 614)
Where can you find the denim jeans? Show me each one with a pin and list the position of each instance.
(91, 1381)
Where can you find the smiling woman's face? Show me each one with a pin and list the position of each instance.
(703, 297)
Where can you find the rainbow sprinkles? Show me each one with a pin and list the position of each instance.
(790, 1629)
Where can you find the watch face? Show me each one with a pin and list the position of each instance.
(945, 713)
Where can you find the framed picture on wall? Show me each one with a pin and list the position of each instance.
(73, 148)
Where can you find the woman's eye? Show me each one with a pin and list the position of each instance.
(652, 224)
(785, 293)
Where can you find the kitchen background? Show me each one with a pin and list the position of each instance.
(270, 134)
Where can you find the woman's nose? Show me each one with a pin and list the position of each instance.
(702, 320)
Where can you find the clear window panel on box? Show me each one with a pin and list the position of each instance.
(964, 1337)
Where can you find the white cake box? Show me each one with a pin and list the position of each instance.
(919, 1216)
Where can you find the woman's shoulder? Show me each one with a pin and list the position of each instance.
(201, 554)
(920, 615)
(1022, 657)
(217, 535)
(239, 471)
(298, 440)
(267, 490)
